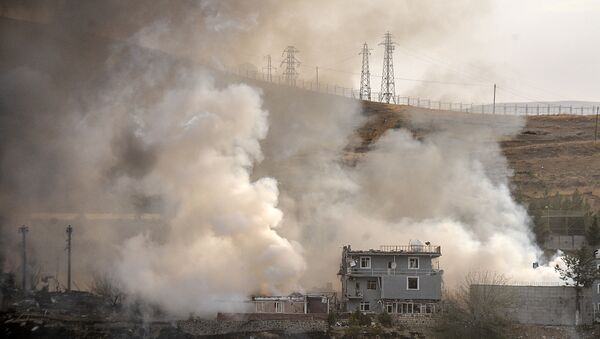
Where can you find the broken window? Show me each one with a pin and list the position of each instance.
(365, 262)
(412, 283)
(371, 284)
(365, 306)
(413, 263)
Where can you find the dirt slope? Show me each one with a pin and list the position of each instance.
(557, 153)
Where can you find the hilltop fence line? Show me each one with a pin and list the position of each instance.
(500, 108)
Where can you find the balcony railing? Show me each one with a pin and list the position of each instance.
(411, 248)
(389, 271)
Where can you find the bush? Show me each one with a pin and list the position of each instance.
(385, 319)
(360, 319)
(332, 318)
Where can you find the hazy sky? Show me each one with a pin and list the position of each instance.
(533, 49)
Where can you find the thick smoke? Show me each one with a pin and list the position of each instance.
(204, 190)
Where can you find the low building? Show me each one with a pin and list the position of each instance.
(295, 303)
(396, 279)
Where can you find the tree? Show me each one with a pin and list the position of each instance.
(580, 271)
(477, 308)
(593, 232)
(107, 287)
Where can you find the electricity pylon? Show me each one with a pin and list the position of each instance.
(269, 68)
(365, 74)
(388, 87)
(291, 62)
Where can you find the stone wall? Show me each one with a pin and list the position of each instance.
(200, 327)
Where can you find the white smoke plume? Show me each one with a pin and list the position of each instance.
(255, 190)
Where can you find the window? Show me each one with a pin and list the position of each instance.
(406, 308)
(389, 308)
(278, 307)
(429, 308)
(413, 263)
(598, 288)
(412, 283)
(365, 262)
(365, 306)
(371, 284)
(260, 307)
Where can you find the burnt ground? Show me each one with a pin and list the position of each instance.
(555, 153)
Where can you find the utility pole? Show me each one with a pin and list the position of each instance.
(494, 105)
(291, 62)
(317, 68)
(388, 87)
(269, 69)
(365, 74)
(69, 232)
(24, 229)
(596, 131)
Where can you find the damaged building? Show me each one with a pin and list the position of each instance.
(402, 280)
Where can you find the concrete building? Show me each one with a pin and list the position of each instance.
(395, 279)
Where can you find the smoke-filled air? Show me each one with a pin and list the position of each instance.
(194, 189)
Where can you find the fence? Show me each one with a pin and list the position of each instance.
(499, 108)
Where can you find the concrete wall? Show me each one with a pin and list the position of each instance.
(565, 242)
(545, 305)
(395, 287)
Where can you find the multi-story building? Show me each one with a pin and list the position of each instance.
(395, 279)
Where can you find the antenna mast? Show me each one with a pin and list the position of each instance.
(291, 62)
(388, 87)
(365, 74)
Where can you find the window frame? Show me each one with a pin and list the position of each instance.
(260, 307)
(389, 305)
(372, 281)
(408, 284)
(418, 263)
(362, 305)
(279, 309)
(368, 259)
(598, 288)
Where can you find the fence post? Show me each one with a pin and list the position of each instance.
(526, 109)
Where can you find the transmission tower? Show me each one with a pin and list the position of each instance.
(388, 88)
(291, 62)
(365, 74)
(269, 69)
(23, 230)
(69, 232)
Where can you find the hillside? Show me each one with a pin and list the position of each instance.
(554, 153)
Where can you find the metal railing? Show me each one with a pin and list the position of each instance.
(391, 271)
(411, 248)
